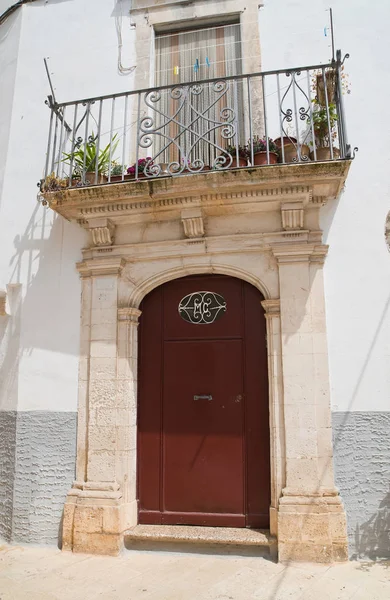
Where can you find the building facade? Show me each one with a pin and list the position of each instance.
(190, 342)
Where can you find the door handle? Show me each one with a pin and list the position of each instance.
(204, 397)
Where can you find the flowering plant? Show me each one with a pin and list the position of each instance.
(142, 163)
(260, 144)
(242, 151)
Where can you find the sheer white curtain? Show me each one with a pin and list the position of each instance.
(193, 56)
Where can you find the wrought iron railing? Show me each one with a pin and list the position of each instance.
(215, 124)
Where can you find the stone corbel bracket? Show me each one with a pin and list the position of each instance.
(102, 231)
(292, 216)
(192, 220)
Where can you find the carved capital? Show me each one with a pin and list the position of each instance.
(299, 253)
(129, 314)
(292, 215)
(271, 307)
(192, 220)
(112, 265)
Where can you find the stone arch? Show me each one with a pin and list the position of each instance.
(160, 278)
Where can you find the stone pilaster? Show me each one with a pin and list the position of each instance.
(275, 379)
(311, 520)
(98, 507)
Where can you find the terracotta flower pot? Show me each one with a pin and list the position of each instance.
(286, 140)
(90, 178)
(324, 153)
(291, 152)
(242, 162)
(260, 158)
(116, 178)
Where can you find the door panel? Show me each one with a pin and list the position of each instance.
(200, 460)
(202, 438)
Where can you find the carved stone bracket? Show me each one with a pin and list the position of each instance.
(102, 231)
(292, 215)
(192, 220)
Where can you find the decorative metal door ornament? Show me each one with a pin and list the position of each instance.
(202, 308)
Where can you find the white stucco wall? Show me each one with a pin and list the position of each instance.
(38, 249)
(358, 266)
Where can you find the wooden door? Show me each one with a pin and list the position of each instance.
(203, 418)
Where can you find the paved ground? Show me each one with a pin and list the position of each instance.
(33, 573)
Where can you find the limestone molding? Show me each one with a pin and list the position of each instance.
(112, 265)
(192, 220)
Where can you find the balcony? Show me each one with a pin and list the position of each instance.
(260, 131)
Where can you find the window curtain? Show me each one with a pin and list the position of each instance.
(191, 56)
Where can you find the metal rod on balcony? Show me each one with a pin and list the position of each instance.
(73, 145)
(327, 113)
(124, 138)
(293, 73)
(340, 112)
(280, 118)
(265, 117)
(203, 81)
(138, 128)
(49, 144)
(236, 121)
(249, 86)
(311, 115)
(97, 146)
(86, 143)
(53, 157)
(59, 163)
(111, 130)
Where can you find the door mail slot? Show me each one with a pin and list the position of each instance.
(204, 397)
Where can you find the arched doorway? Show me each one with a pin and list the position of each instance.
(203, 415)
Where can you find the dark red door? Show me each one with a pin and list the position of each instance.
(203, 419)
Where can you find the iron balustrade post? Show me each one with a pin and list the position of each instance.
(265, 117)
(49, 143)
(97, 144)
(311, 116)
(294, 83)
(280, 117)
(327, 114)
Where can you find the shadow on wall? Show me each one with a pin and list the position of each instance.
(372, 538)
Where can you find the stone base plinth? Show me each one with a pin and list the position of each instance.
(312, 529)
(95, 520)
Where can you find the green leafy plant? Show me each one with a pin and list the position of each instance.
(86, 153)
(117, 169)
(242, 151)
(324, 135)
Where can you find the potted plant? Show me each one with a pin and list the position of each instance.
(243, 156)
(323, 135)
(86, 154)
(142, 164)
(52, 183)
(260, 150)
(117, 171)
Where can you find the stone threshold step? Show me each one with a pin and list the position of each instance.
(192, 537)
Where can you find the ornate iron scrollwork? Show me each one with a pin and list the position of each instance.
(202, 308)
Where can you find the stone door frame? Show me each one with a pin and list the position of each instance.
(306, 512)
